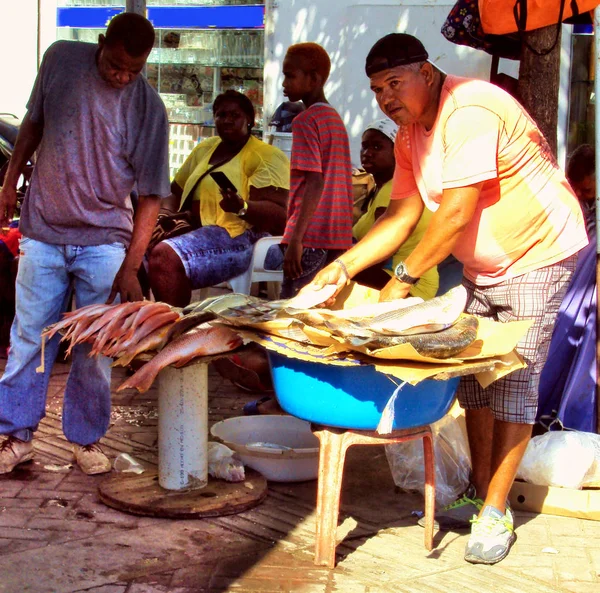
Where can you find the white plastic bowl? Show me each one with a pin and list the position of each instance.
(281, 448)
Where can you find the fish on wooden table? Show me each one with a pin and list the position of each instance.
(96, 326)
(361, 313)
(442, 344)
(144, 313)
(200, 341)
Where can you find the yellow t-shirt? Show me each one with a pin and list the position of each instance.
(428, 284)
(257, 164)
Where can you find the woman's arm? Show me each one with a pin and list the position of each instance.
(267, 207)
(170, 205)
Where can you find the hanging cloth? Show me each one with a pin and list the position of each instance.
(568, 383)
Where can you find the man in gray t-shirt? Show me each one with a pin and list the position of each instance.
(100, 131)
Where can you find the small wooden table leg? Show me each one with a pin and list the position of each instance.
(334, 443)
(332, 454)
(429, 489)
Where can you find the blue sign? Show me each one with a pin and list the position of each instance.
(82, 17)
(245, 16)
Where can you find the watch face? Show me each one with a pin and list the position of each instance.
(400, 270)
(402, 275)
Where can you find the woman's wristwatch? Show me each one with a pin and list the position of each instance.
(401, 273)
(244, 208)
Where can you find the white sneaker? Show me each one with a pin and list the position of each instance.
(91, 459)
(14, 451)
(492, 535)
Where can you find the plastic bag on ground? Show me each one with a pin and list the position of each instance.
(125, 463)
(452, 462)
(568, 459)
(223, 465)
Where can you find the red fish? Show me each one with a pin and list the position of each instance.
(202, 341)
(90, 311)
(142, 331)
(154, 341)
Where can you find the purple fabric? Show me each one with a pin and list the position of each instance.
(568, 382)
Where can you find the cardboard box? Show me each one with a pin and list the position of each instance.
(550, 500)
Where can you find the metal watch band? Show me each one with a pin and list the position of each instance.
(402, 274)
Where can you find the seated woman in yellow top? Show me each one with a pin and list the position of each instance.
(229, 221)
(377, 158)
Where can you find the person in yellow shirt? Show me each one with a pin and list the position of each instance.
(377, 159)
(228, 222)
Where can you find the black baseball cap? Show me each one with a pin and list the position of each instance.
(395, 49)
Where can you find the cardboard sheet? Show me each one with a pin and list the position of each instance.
(485, 370)
(489, 358)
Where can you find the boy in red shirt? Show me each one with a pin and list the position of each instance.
(319, 220)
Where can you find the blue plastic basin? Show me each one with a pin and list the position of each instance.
(354, 397)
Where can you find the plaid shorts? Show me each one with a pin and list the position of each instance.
(536, 295)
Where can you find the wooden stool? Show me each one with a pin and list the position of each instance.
(334, 443)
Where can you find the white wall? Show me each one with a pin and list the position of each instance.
(21, 49)
(347, 29)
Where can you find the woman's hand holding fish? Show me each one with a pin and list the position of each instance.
(393, 290)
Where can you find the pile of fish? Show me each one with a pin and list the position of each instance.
(437, 328)
(120, 331)
(126, 330)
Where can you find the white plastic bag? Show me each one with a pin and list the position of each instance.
(452, 462)
(223, 465)
(566, 458)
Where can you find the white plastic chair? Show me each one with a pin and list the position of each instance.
(256, 272)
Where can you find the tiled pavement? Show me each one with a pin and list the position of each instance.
(57, 537)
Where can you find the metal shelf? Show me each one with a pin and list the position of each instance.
(204, 64)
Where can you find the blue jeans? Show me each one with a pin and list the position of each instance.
(312, 262)
(210, 256)
(46, 275)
